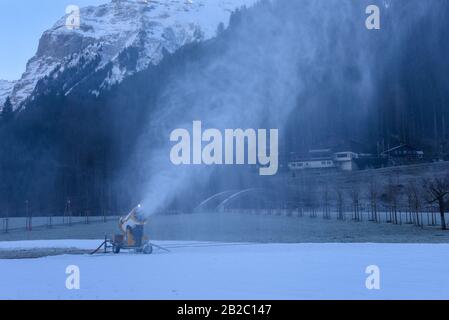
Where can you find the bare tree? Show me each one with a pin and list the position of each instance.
(436, 191)
(355, 196)
(414, 203)
(326, 199)
(301, 195)
(309, 199)
(373, 197)
(392, 193)
(339, 194)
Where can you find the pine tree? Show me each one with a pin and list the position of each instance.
(220, 29)
(7, 111)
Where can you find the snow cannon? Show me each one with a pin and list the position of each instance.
(132, 237)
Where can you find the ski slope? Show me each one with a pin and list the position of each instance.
(205, 270)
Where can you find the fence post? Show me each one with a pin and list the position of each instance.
(29, 224)
(69, 212)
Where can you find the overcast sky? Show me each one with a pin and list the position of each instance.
(21, 25)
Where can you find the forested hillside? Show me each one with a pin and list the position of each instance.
(309, 68)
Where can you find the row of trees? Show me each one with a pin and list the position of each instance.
(375, 196)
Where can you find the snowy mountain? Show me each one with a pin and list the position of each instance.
(118, 39)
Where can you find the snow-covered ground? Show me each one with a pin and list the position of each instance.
(195, 270)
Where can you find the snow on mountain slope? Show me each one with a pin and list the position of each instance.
(150, 26)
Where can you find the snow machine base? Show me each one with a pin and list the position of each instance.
(145, 249)
(119, 243)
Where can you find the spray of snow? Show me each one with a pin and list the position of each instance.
(277, 60)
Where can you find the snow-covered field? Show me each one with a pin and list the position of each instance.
(200, 270)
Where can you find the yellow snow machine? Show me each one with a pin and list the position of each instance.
(132, 237)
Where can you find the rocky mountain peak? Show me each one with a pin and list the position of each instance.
(105, 31)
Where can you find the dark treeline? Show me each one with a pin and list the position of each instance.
(378, 88)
